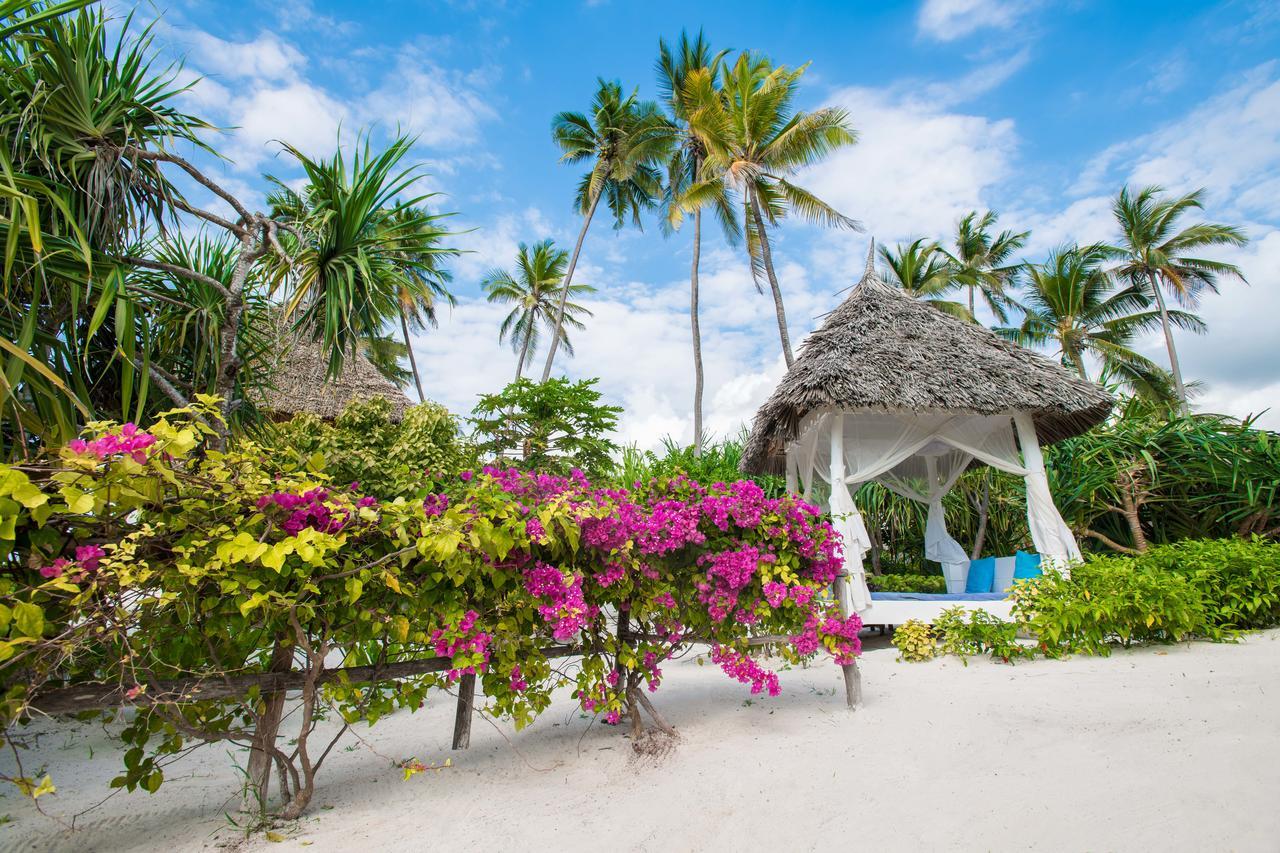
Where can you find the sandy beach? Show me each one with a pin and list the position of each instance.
(1174, 748)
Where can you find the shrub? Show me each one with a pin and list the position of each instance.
(228, 570)
(1108, 600)
(975, 632)
(365, 446)
(914, 641)
(907, 583)
(1239, 580)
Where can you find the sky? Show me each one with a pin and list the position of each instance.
(1038, 110)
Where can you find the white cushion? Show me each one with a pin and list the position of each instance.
(1004, 574)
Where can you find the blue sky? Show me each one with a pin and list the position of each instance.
(1038, 110)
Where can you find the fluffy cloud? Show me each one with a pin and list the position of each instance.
(917, 166)
(945, 20)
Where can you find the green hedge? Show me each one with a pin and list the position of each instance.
(1212, 589)
(907, 583)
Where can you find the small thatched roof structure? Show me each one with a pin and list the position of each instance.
(883, 350)
(299, 383)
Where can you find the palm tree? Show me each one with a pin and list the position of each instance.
(536, 288)
(1154, 256)
(425, 282)
(981, 262)
(1071, 302)
(689, 187)
(923, 271)
(756, 141)
(623, 138)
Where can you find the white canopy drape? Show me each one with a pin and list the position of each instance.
(920, 456)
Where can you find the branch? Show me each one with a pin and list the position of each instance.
(164, 157)
(161, 266)
(196, 211)
(96, 697)
(1111, 543)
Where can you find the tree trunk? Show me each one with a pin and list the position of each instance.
(972, 305)
(564, 293)
(524, 350)
(984, 507)
(229, 357)
(697, 335)
(1174, 367)
(767, 256)
(413, 361)
(267, 727)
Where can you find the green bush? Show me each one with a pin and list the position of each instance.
(365, 445)
(915, 641)
(1238, 579)
(976, 632)
(1105, 601)
(907, 583)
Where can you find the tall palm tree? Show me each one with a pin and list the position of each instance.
(1070, 301)
(923, 271)
(757, 141)
(624, 139)
(1155, 256)
(536, 288)
(982, 262)
(689, 187)
(425, 283)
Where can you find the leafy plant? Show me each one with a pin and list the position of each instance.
(915, 641)
(553, 426)
(901, 582)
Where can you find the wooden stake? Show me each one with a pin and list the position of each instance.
(466, 708)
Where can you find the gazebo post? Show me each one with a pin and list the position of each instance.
(852, 677)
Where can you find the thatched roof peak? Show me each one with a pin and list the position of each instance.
(299, 383)
(882, 350)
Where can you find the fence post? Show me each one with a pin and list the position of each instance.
(466, 708)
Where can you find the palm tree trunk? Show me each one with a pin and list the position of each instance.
(1174, 367)
(972, 306)
(564, 293)
(767, 256)
(413, 361)
(524, 350)
(697, 335)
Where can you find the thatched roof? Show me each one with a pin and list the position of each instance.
(883, 350)
(299, 383)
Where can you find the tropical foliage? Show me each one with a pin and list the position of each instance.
(198, 587)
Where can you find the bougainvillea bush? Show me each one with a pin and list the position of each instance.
(208, 590)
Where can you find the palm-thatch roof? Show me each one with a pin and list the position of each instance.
(883, 350)
(299, 382)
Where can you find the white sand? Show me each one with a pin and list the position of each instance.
(1169, 749)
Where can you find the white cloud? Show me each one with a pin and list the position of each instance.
(1230, 145)
(916, 168)
(440, 107)
(946, 20)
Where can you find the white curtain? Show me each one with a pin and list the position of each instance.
(920, 456)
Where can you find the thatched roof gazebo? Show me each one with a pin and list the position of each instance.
(299, 382)
(893, 390)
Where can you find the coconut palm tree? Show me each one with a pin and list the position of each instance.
(1070, 302)
(923, 271)
(624, 139)
(535, 288)
(757, 141)
(1155, 256)
(981, 262)
(425, 282)
(690, 188)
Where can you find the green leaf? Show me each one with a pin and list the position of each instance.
(29, 618)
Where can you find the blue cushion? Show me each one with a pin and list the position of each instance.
(982, 574)
(1026, 566)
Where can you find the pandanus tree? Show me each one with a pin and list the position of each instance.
(691, 186)
(1156, 256)
(1070, 302)
(756, 141)
(624, 139)
(982, 263)
(924, 272)
(534, 290)
(358, 255)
